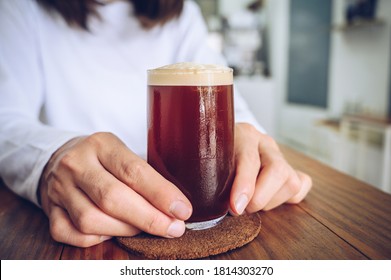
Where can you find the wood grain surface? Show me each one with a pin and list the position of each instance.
(341, 218)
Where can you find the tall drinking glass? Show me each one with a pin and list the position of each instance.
(191, 135)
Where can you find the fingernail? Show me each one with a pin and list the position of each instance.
(241, 203)
(176, 229)
(180, 210)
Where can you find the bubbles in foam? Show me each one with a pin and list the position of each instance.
(196, 67)
(192, 74)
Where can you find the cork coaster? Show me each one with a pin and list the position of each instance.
(231, 233)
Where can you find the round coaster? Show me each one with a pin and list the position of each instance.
(231, 233)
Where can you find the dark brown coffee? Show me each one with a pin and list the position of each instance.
(190, 142)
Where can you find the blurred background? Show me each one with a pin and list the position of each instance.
(316, 74)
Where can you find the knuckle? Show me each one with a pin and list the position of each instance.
(134, 171)
(152, 224)
(306, 184)
(99, 138)
(61, 231)
(308, 181)
(279, 168)
(85, 222)
(270, 141)
(249, 127)
(57, 230)
(68, 161)
(54, 189)
(294, 185)
(95, 139)
(107, 199)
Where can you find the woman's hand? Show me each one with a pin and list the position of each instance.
(94, 188)
(264, 180)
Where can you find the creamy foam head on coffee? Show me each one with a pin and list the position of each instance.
(190, 74)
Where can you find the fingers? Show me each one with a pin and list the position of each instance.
(99, 187)
(132, 191)
(277, 182)
(263, 177)
(119, 201)
(89, 219)
(143, 197)
(124, 213)
(306, 185)
(62, 230)
(143, 179)
(86, 217)
(267, 196)
(248, 164)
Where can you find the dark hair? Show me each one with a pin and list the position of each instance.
(149, 12)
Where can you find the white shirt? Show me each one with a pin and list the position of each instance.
(58, 82)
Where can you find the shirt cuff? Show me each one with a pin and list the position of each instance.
(32, 182)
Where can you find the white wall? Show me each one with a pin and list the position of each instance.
(359, 70)
(359, 65)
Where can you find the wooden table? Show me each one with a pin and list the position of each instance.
(341, 218)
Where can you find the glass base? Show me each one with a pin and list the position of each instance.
(205, 224)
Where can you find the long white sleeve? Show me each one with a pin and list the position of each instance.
(25, 143)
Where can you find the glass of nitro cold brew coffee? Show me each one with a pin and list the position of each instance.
(191, 135)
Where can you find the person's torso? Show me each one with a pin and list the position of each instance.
(96, 80)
